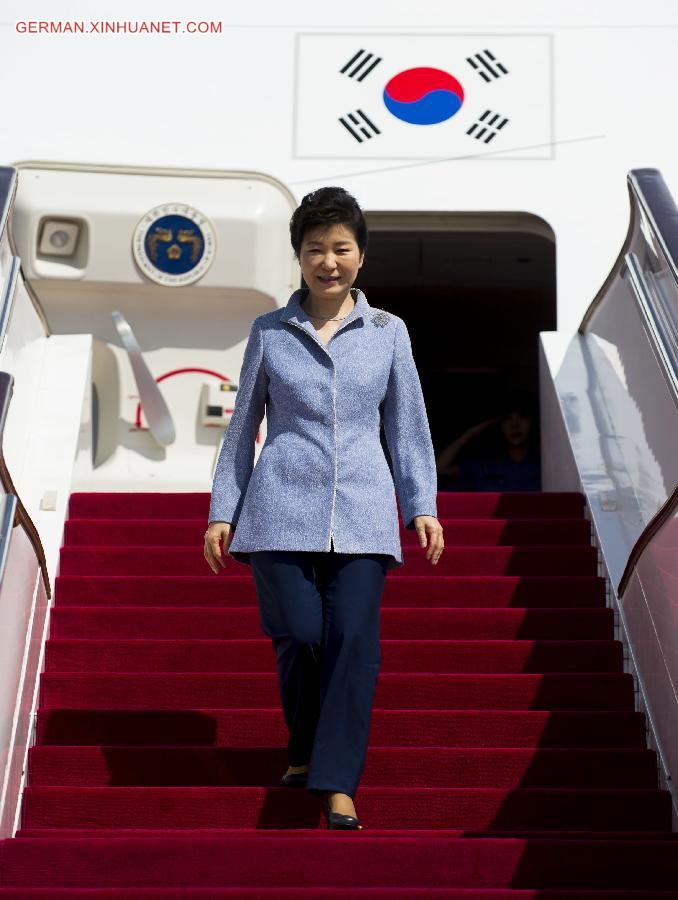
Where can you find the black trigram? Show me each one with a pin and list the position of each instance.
(487, 126)
(486, 65)
(357, 123)
(360, 60)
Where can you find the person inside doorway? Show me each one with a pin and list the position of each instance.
(499, 453)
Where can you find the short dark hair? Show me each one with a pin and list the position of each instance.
(328, 206)
(519, 400)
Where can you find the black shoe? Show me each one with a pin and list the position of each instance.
(294, 780)
(338, 820)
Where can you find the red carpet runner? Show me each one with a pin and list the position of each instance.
(503, 734)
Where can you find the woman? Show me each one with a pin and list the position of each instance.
(316, 518)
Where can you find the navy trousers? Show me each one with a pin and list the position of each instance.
(322, 613)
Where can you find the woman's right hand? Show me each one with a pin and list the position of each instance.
(217, 531)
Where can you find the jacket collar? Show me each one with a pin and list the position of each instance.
(294, 312)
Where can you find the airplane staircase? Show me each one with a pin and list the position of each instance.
(506, 757)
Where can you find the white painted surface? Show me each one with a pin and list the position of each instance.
(51, 377)
(613, 91)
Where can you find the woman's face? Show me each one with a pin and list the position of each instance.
(330, 258)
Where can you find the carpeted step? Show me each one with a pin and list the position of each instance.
(306, 893)
(395, 690)
(416, 834)
(256, 655)
(397, 623)
(382, 807)
(340, 859)
(310, 893)
(510, 504)
(459, 532)
(401, 727)
(451, 504)
(479, 591)
(428, 767)
(338, 893)
(163, 560)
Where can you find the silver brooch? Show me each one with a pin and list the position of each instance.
(380, 318)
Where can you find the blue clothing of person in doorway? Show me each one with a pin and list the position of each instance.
(501, 474)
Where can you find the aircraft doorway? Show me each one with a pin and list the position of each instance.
(475, 290)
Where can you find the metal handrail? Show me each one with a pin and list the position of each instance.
(8, 183)
(665, 512)
(649, 195)
(8, 295)
(660, 212)
(13, 511)
(664, 350)
(21, 516)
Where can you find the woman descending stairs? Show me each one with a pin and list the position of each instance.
(506, 759)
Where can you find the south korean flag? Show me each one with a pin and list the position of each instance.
(423, 96)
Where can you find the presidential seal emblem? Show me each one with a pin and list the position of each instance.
(174, 244)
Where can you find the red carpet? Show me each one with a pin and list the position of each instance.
(503, 735)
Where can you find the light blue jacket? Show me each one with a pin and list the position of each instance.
(322, 478)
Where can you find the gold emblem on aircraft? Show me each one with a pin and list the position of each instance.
(174, 244)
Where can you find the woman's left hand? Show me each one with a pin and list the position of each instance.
(430, 532)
